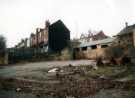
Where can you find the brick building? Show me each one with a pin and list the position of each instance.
(55, 36)
(59, 36)
(40, 39)
(33, 40)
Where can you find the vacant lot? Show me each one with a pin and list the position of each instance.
(37, 70)
(74, 78)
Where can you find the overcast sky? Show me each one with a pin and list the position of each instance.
(18, 18)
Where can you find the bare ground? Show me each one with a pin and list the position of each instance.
(78, 81)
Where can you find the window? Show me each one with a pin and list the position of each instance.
(119, 42)
(84, 48)
(104, 46)
(93, 47)
(77, 49)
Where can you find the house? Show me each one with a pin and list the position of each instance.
(40, 39)
(59, 36)
(126, 36)
(92, 37)
(21, 44)
(26, 43)
(42, 35)
(33, 40)
(53, 38)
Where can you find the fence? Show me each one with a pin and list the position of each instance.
(36, 54)
(24, 54)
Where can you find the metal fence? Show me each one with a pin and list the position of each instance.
(24, 54)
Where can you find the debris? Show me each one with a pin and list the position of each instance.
(94, 66)
(99, 61)
(103, 77)
(112, 61)
(70, 65)
(126, 60)
(18, 89)
(53, 70)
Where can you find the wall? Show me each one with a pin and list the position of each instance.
(34, 55)
(59, 36)
(91, 53)
(4, 59)
(64, 55)
(126, 39)
(134, 37)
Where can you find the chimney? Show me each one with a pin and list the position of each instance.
(37, 30)
(47, 23)
(126, 23)
(22, 40)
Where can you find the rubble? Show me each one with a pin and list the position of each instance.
(53, 70)
(68, 82)
(18, 89)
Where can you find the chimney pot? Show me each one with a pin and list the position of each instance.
(126, 24)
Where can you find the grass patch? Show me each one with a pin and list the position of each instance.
(114, 93)
(107, 71)
(126, 72)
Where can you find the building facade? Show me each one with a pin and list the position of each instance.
(53, 37)
(59, 36)
(84, 38)
(93, 49)
(126, 36)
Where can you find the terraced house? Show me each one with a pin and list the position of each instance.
(40, 39)
(52, 39)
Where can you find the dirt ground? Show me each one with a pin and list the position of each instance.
(66, 79)
(37, 70)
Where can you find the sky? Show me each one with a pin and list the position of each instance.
(19, 18)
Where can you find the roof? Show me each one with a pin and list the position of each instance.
(98, 36)
(127, 30)
(59, 25)
(103, 41)
(32, 34)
